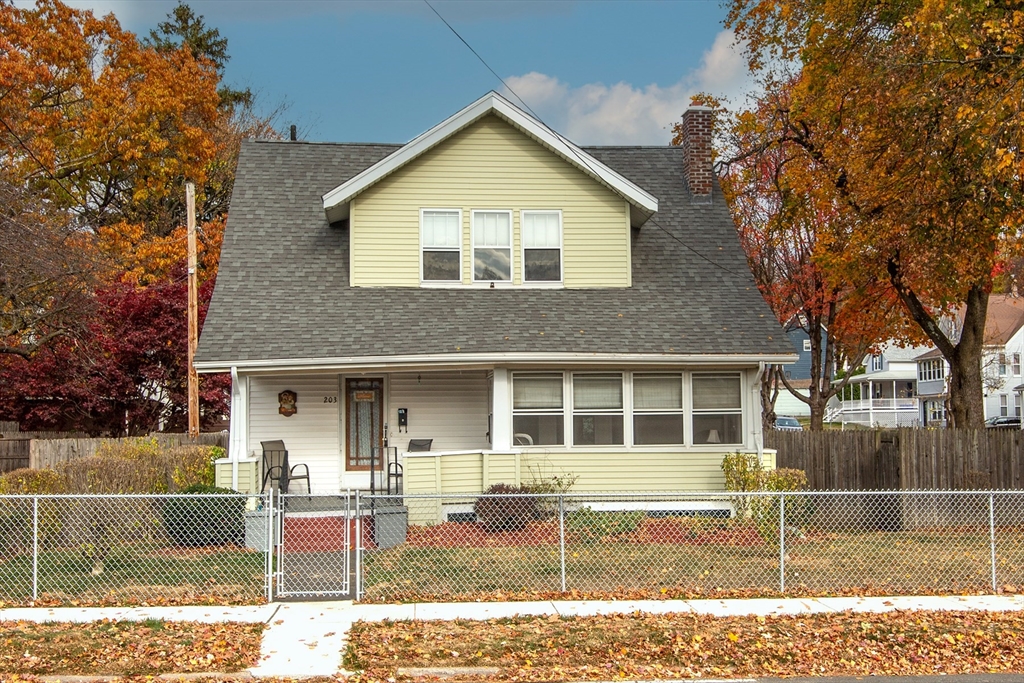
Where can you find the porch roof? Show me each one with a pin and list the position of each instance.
(283, 286)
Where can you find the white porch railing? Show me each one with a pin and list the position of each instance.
(880, 404)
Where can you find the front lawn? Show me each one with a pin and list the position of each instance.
(136, 573)
(702, 558)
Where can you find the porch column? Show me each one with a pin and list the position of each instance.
(238, 447)
(501, 416)
(871, 403)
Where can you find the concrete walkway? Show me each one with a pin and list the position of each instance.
(308, 638)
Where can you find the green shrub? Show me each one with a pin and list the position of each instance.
(141, 466)
(503, 508)
(744, 473)
(591, 526)
(200, 520)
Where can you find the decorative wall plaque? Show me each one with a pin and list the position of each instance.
(287, 403)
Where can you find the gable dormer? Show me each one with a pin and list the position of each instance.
(490, 197)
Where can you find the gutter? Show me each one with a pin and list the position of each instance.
(487, 360)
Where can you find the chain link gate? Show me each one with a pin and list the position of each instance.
(314, 545)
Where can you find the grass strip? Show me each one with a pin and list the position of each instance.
(645, 646)
(129, 648)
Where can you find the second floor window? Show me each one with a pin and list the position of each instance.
(542, 246)
(929, 370)
(441, 243)
(1002, 364)
(876, 363)
(1016, 363)
(492, 246)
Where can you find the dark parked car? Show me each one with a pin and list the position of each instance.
(788, 424)
(1003, 422)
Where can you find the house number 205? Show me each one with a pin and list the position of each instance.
(330, 399)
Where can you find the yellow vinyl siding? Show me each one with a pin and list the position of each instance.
(248, 477)
(601, 471)
(489, 165)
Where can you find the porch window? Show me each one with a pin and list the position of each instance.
(441, 242)
(717, 409)
(597, 414)
(542, 246)
(492, 246)
(538, 415)
(657, 409)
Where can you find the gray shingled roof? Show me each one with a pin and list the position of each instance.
(282, 291)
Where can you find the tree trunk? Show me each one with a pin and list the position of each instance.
(966, 390)
(769, 394)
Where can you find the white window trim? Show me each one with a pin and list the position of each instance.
(628, 412)
(462, 229)
(511, 249)
(561, 251)
(681, 411)
(694, 412)
(627, 386)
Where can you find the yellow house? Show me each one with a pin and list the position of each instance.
(488, 303)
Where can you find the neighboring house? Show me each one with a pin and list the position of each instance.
(527, 305)
(885, 395)
(1001, 370)
(799, 373)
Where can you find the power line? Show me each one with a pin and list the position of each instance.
(569, 143)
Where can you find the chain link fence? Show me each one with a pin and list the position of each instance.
(103, 549)
(472, 546)
(97, 549)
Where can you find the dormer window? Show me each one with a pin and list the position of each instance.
(492, 246)
(441, 243)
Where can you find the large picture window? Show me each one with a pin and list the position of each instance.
(542, 246)
(657, 409)
(492, 246)
(717, 409)
(441, 243)
(538, 412)
(597, 410)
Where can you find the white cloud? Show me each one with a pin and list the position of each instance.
(624, 114)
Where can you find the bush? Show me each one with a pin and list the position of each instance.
(141, 466)
(744, 474)
(591, 526)
(27, 480)
(503, 508)
(199, 520)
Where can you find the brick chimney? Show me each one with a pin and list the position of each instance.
(697, 153)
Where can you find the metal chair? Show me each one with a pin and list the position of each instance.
(276, 469)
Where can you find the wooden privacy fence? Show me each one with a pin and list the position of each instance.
(13, 454)
(904, 459)
(48, 453)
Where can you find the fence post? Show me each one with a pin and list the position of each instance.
(992, 537)
(359, 550)
(35, 547)
(782, 542)
(268, 508)
(561, 535)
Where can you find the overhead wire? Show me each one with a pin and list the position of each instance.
(570, 144)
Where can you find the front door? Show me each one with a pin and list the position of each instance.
(364, 420)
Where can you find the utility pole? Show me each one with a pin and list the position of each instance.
(193, 315)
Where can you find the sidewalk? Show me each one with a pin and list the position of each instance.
(308, 638)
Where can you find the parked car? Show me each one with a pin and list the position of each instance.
(788, 424)
(1003, 422)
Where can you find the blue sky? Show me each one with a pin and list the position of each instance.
(599, 72)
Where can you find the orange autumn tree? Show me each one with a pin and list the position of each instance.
(93, 120)
(787, 229)
(908, 114)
